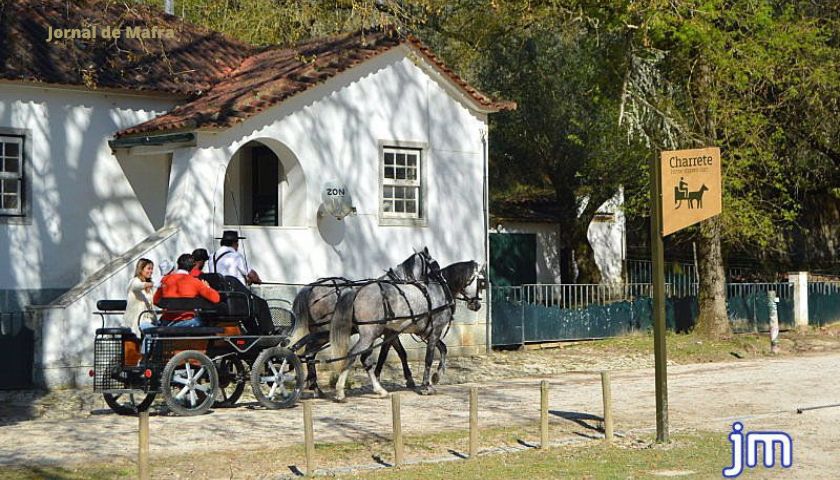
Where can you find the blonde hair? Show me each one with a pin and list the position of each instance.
(141, 264)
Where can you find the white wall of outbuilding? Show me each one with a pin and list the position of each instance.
(85, 207)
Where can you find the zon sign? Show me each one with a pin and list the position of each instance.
(691, 187)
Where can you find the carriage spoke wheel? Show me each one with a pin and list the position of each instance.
(232, 378)
(189, 383)
(277, 378)
(129, 403)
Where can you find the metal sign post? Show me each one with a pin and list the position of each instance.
(658, 257)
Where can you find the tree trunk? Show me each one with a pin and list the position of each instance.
(588, 271)
(712, 321)
(567, 264)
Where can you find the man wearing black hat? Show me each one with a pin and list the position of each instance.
(230, 262)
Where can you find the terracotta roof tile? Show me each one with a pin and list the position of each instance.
(178, 65)
(227, 81)
(275, 75)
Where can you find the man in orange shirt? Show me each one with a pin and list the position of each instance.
(200, 256)
(180, 284)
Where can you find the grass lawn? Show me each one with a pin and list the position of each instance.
(690, 348)
(689, 455)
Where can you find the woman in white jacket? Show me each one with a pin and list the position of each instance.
(140, 293)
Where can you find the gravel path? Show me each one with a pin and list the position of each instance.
(763, 394)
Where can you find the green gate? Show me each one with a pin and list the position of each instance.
(513, 258)
(823, 303)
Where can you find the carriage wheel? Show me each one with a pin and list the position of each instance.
(277, 378)
(232, 378)
(189, 383)
(129, 403)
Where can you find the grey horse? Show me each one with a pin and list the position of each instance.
(465, 281)
(384, 307)
(314, 306)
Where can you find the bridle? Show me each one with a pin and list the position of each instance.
(461, 295)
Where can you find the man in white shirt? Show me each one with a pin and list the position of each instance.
(229, 262)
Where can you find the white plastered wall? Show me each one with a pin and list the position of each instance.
(85, 205)
(333, 132)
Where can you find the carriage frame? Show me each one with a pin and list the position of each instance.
(197, 368)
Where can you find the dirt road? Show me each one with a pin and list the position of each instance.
(762, 394)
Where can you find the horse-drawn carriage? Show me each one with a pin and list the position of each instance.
(195, 368)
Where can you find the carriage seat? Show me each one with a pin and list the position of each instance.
(199, 305)
(126, 332)
(111, 305)
(233, 307)
(183, 331)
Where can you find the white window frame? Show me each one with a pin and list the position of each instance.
(393, 218)
(14, 136)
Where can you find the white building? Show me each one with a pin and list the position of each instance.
(158, 149)
(530, 229)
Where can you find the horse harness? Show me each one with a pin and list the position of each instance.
(390, 316)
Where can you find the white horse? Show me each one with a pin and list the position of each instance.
(384, 307)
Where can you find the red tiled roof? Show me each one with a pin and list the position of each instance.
(274, 75)
(188, 64)
(227, 81)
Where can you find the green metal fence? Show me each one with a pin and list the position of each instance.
(748, 306)
(555, 312)
(823, 303)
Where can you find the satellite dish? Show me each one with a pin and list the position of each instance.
(336, 200)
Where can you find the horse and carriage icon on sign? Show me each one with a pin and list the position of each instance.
(681, 193)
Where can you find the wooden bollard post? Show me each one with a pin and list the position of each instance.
(607, 393)
(308, 437)
(398, 440)
(473, 422)
(143, 450)
(544, 414)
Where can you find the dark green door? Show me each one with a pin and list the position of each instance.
(513, 258)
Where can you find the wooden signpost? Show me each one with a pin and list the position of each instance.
(691, 187)
(685, 189)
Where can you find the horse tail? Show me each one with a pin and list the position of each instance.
(300, 308)
(341, 327)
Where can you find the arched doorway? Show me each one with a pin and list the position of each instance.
(264, 186)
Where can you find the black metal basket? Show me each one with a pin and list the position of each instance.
(283, 319)
(108, 357)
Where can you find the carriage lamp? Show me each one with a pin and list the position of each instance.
(147, 373)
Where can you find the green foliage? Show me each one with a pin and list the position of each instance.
(603, 85)
(759, 79)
